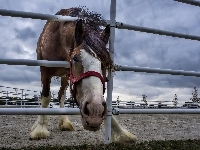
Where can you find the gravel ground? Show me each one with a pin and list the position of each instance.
(14, 130)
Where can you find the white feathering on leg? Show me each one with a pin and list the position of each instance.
(64, 124)
(40, 127)
(119, 134)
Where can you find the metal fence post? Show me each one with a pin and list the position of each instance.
(110, 73)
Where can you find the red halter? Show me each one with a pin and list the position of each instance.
(74, 80)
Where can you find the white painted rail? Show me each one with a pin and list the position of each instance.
(110, 73)
(39, 111)
(65, 64)
(22, 14)
(117, 111)
(191, 2)
(76, 111)
(29, 62)
(121, 25)
(156, 70)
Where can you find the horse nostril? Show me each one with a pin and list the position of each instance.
(87, 124)
(104, 112)
(86, 111)
(104, 104)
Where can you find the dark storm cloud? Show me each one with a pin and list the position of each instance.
(25, 34)
(12, 51)
(2, 50)
(18, 49)
(21, 74)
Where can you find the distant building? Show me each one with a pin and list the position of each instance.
(190, 105)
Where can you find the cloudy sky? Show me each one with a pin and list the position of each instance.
(18, 39)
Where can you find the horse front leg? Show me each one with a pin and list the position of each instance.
(64, 122)
(119, 134)
(39, 129)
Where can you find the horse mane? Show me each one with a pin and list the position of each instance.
(93, 25)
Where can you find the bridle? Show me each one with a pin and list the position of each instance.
(75, 80)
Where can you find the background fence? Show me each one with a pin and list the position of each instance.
(113, 25)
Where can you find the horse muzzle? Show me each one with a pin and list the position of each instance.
(91, 125)
(93, 114)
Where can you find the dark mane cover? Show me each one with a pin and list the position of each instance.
(93, 24)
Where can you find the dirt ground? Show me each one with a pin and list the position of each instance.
(14, 130)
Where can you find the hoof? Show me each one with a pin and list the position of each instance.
(124, 137)
(40, 132)
(66, 126)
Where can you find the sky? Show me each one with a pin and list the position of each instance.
(19, 36)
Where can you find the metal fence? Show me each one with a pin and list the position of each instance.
(113, 25)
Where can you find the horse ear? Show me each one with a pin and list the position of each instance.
(105, 34)
(79, 32)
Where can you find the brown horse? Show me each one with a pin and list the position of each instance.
(82, 43)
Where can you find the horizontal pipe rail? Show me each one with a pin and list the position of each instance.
(39, 111)
(76, 111)
(22, 14)
(191, 2)
(120, 25)
(29, 62)
(65, 64)
(157, 70)
(117, 111)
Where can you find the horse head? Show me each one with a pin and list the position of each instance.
(89, 58)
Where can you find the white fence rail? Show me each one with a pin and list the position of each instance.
(157, 70)
(76, 111)
(191, 2)
(65, 64)
(120, 25)
(117, 111)
(29, 62)
(39, 111)
(22, 14)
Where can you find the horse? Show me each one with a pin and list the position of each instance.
(82, 43)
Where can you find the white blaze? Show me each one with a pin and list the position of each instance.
(92, 83)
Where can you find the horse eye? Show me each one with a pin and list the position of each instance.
(75, 58)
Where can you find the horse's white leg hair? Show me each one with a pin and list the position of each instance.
(39, 129)
(64, 124)
(118, 134)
